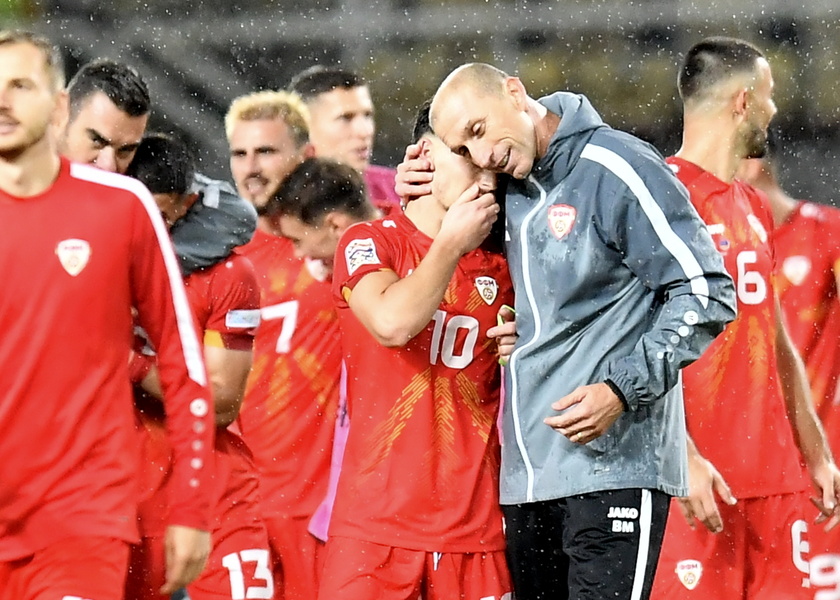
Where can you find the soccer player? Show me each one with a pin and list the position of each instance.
(806, 242)
(288, 417)
(618, 288)
(225, 301)
(79, 249)
(109, 111)
(748, 407)
(342, 127)
(417, 508)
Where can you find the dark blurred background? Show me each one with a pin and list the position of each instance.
(197, 55)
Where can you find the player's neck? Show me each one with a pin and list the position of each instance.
(31, 172)
(545, 125)
(781, 205)
(264, 225)
(711, 147)
(427, 214)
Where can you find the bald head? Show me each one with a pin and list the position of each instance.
(485, 115)
(473, 79)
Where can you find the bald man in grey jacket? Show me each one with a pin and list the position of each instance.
(618, 286)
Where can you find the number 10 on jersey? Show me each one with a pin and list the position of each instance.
(445, 337)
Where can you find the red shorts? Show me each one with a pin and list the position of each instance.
(65, 569)
(357, 570)
(297, 558)
(825, 561)
(239, 567)
(760, 554)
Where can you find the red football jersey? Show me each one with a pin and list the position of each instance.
(225, 302)
(734, 405)
(807, 248)
(288, 416)
(379, 182)
(74, 261)
(421, 466)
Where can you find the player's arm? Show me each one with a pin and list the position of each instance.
(807, 430)
(164, 313)
(396, 309)
(232, 320)
(228, 372)
(704, 481)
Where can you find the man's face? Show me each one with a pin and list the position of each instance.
(262, 154)
(762, 109)
(454, 174)
(311, 241)
(494, 131)
(28, 98)
(102, 135)
(342, 126)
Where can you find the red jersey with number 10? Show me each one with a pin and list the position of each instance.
(733, 400)
(421, 466)
(288, 415)
(808, 271)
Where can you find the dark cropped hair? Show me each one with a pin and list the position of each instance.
(712, 61)
(317, 187)
(121, 83)
(422, 122)
(164, 164)
(317, 80)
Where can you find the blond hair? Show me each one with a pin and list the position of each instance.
(287, 106)
(52, 58)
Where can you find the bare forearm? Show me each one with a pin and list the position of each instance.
(807, 429)
(402, 309)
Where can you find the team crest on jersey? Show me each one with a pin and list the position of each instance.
(689, 573)
(73, 255)
(487, 288)
(561, 219)
(360, 252)
(796, 269)
(757, 227)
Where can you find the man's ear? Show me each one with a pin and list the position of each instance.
(740, 101)
(308, 150)
(337, 222)
(514, 89)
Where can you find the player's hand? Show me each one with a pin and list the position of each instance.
(414, 175)
(187, 550)
(826, 478)
(504, 333)
(469, 219)
(587, 413)
(704, 481)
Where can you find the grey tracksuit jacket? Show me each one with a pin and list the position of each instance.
(616, 278)
(213, 226)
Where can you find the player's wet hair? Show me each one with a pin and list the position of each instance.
(422, 122)
(52, 56)
(317, 187)
(713, 61)
(317, 80)
(121, 83)
(164, 164)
